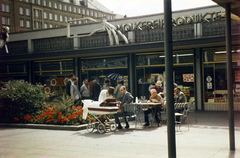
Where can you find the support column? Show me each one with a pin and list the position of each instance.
(132, 73)
(169, 78)
(229, 76)
(77, 70)
(198, 80)
(76, 42)
(30, 71)
(30, 46)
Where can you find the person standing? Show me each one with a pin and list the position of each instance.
(75, 94)
(91, 83)
(117, 93)
(69, 83)
(106, 84)
(96, 90)
(85, 90)
(126, 99)
(158, 87)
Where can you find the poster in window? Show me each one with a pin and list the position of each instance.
(188, 77)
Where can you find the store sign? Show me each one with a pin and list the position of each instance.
(181, 20)
(188, 77)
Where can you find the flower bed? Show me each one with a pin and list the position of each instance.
(53, 115)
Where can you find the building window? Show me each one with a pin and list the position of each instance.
(55, 5)
(70, 9)
(37, 13)
(27, 12)
(5, 21)
(21, 10)
(7, 8)
(79, 22)
(70, 18)
(50, 25)
(87, 12)
(3, 8)
(83, 11)
(75, 22)
(79, 11)
(86, 21)
(56, 17)
(50, 4)
(21, 23)
(65, 7)
(33, 1)
(45, 15)
(74, 9)
(39, 2)
(28, 23)
(44, 3)
(45, 25)
(60, 6)
(27, 1)
(50, 16)
(61, 18)
(56, 25)
(96, 14)
(66, 18)
(91, 13)
(37, 25)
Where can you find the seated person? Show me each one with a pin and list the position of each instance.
(126, 99)
(179, 97)
(155, 98)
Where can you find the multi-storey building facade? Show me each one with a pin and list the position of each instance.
(27, 15)
(199, 55)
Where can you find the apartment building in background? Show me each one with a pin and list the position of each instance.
(28, 15)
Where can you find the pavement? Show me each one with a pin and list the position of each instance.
(209, 138)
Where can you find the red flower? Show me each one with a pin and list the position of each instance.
(15, 118)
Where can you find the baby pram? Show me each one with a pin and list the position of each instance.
(109, 106)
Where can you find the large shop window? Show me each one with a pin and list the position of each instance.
(215, 75)
(54, 74)
(151, 68)
(99, 68)
(13, 71)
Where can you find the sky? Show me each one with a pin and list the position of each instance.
(145, 7)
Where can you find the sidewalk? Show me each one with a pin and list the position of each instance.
(209, 138)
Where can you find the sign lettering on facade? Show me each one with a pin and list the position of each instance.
(181, 20)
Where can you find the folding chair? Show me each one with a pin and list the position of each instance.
(182, 115)
(191, 109)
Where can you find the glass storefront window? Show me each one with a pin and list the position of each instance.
(54, 74)
(159, 58)
(99, 68)
(215, 75)
(151, 68)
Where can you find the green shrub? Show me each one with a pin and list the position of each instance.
(18, 98)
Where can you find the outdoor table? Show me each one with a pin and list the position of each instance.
(137, 109)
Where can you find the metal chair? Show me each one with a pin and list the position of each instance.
(182, 115)
(191, 109)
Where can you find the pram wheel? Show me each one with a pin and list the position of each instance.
(113, 126)
(101, 128)
(90, 127)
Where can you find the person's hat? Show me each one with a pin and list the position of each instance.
(158, 83)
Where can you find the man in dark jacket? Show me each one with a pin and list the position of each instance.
(96, 90)
(126, 99)
(69, 83)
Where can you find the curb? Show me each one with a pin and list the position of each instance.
(44, 126)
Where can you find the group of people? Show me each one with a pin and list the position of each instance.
(92, 90)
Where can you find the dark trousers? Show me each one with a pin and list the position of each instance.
(120, 114)
(154, 111)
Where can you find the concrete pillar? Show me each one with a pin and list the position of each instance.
(76, 42)
(198, 80)
(198, 30)
(30, 71)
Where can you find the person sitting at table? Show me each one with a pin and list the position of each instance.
(155, 98)
(158, 87)
(179, 97)
(126, 99)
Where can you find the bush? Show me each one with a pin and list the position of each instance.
(18, 98)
